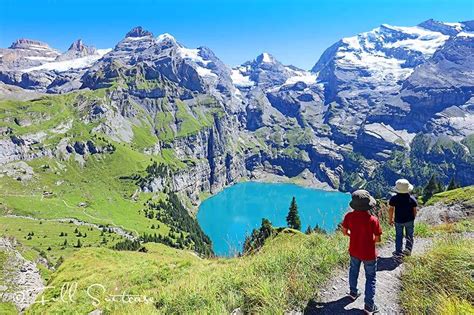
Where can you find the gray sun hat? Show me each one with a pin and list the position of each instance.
(362, 200)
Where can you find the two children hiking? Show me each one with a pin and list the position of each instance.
(365, 231)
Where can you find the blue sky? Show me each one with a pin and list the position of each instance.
(294, 31)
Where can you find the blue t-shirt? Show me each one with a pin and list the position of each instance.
(404, 204)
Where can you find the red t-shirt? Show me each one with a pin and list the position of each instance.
(362, 226)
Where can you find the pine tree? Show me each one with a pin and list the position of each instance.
(318, 229)
(308, 230)
(452, 184)
(431, 188)
(266, 228)
(78, 245)
(293, 218)
(65, 242)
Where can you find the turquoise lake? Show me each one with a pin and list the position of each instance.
(228, 217)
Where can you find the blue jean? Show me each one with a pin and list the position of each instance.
(409, 228)
(370, 267)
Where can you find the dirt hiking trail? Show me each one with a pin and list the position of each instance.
(333, 297)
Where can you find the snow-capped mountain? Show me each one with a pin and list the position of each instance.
(141, 56)
(34, 65)
(364, 75)
(382, 57)
(24, 53)
(392, 89)
(267, 72)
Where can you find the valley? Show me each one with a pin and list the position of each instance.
(106, 156)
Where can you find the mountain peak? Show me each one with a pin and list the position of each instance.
(165, 36)
(138, 31)
(441, 27)
(77, 50)
(77, 45)
(265, 58)
(166, 39)
(24, 43)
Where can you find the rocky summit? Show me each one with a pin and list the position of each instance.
(390, 101)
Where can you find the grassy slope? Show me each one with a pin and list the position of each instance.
(281, 277)
(464, 195)
(98, 183)
(440, 282)
(108, 197)
(47, 237)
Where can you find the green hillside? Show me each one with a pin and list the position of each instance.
(101, 188)
(461, 195)
(282, 276)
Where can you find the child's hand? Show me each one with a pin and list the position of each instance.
(391, 222)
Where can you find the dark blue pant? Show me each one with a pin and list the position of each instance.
(408, 228)
(370, 267)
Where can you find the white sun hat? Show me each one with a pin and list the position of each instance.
(403, 186)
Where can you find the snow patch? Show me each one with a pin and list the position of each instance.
(388, 134)
(465, 34)
(353, 42)
(192, 54)
(204, 72)
(456, 26)
(424, 44)
(103, 52)
(239, 79)
(41, 58)
(367, 51)
(133, 39)
(65, 65)
(267, 58)
(164, 36)
(302, 76)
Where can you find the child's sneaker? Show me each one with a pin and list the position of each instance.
(353, 295)
(407, 252)
(397, 254)
(371, 309)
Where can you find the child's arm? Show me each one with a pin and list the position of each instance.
(415, 210)
(377, 230)
(346, 231)
(391, 210)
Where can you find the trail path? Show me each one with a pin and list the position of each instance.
(116, 229)
(333, 297)
(22, 278)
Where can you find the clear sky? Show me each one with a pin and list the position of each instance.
(294, 31)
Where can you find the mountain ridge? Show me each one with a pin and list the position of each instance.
(349, 121)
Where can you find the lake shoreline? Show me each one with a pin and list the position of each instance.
(230, 215)
(305, 179)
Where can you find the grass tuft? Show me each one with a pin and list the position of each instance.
(440, 282)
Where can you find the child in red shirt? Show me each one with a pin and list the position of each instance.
(364, 231)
